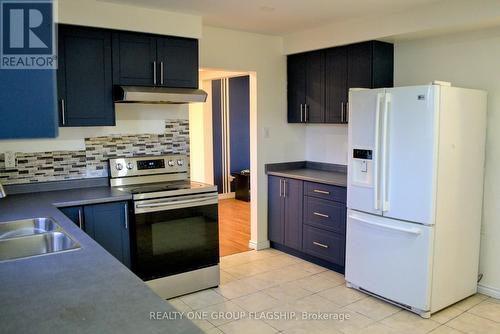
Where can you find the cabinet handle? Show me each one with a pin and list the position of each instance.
(80, 219)
(306, 108)
(321, 215)
(161, 73)
(301, 113)
(342, 112)
(125, 208)
(154, 72)
(321, 192)
(281, 188)
(63, 112)
(320, 244)
(284, 188)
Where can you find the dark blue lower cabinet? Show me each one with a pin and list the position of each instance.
(292, 194)
(285, 211)
(75, 213)
(326, 245)
(108, 224)
(312, 228)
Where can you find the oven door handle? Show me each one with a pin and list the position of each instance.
(206, 200)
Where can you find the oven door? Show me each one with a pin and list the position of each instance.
(175, 235)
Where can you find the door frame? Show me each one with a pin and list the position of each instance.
(206, 109)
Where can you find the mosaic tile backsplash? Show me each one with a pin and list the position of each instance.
(93, 161)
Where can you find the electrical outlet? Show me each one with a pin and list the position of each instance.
(10, 159)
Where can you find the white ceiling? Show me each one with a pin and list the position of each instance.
(277, 17)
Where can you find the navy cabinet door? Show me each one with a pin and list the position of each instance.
(134, 58)
(293, 195)
(85, 77)
(275, 209)
(75, 214)
(360, 65)
(296, 87)
(177, 62)
(336, 92)
(108, 225)
(314, 111)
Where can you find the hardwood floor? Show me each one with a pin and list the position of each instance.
(234, 226)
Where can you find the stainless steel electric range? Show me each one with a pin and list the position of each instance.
(174, 223)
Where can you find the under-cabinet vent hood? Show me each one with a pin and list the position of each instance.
(158, 95)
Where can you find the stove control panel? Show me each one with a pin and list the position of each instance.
(148, 165)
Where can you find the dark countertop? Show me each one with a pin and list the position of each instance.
(313, 175)
(82, 291)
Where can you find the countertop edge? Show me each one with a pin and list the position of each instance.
(65, 204)
(307, 178)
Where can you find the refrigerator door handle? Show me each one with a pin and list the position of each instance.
(385, 139)
(376, 189)
(413, 230)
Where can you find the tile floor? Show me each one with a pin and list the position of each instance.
(270, 281)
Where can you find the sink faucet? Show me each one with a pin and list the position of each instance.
(2, 192)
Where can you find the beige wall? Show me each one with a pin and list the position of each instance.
(116, 16)
(261, 54)
(200, 137)
(438, 16)
(326, 143)
(469, 60)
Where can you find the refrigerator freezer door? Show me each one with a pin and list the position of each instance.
(363, 191)
(409, 146)
(390, 258)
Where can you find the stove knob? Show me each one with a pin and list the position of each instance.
(119, 166)
(130, 165)
(171, 163)
(180, 162)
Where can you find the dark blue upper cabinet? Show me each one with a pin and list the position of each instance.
(28, 104)
(108, 225)
(178, 62)
(149, 60)
(319, 81)
(134, 59)
(84, 76)
(296, 87)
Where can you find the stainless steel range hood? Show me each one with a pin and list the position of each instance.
(158, 95)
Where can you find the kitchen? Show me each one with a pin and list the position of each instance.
(417, 60)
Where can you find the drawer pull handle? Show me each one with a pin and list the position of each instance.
(321, 192)
(321, 215)
(320, 244)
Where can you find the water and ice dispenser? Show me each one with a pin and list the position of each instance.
(362, 167)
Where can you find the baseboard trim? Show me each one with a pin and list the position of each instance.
(259, 245)
(489, 291)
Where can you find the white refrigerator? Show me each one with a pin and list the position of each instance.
(414, 194)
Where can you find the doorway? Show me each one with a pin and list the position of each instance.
(220, 152)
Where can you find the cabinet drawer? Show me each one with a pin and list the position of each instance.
(325, 191)
(324, 244)
(325, 214)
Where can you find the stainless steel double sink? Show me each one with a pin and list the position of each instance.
(33, 237)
